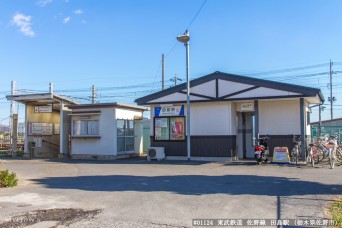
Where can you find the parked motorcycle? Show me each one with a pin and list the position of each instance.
(261, 150)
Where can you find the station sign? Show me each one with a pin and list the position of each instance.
(169, 111)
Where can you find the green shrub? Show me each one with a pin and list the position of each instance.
(7, 179)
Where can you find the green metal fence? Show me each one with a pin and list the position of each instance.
(146, 139)
(317, 131)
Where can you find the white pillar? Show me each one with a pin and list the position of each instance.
(61, 128)
(26, 148)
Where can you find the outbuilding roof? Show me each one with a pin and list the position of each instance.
(106, 105)
(40, 98)
(220, 86)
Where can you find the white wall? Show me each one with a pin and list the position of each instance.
(107, 144)
(138, 134)
(281, 117)
(307, 124)
(98, 146)
(126, 114)
(212, 118)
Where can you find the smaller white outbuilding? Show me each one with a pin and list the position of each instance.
(106, 131)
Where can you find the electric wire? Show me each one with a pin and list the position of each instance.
(288, 70)
(194, 18)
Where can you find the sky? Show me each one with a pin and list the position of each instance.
(117, 45)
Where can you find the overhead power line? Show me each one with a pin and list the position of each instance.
(299, 75)
(192, 21)
(289, 69)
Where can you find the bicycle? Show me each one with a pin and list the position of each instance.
(327, 147)
(339, 153)
(332, 151)
(296, 151)
(313, 155)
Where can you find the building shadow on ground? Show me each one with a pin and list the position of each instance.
(132, 161)
(194, 184)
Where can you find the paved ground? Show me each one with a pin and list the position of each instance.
(137, 193)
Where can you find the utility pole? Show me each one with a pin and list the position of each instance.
(163, 69)
(93, 94)
(331, 98)
(11, 113)
(14, 135)
(321, 108)
(174, 79)
(51, 87)
(12, 102)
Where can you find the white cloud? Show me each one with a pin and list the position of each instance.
(79, 11)
(43, 3)
(23, 23)
(66, 20)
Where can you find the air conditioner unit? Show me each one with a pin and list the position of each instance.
(155, 153)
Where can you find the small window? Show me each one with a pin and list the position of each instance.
(169, 128)
(85, 127)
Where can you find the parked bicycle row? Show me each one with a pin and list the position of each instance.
(325, 147)
(322, 148)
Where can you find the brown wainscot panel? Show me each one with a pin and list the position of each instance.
(201, 146)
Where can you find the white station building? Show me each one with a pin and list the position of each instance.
(227, 112)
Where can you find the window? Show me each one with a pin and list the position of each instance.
(169, 128)
(85, 127)
(125, 135)
(162, 129)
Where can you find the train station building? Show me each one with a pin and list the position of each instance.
(227, 113)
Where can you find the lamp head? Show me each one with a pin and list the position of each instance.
(184, 38)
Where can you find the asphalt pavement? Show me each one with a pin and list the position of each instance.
(139, 193)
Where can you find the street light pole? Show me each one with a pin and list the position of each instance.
(185, 40)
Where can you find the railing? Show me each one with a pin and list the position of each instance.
(317, 132)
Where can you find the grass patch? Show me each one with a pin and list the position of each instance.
(8, 179)
(335, 210)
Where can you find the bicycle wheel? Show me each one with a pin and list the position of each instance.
(292, 156)
(339, 154)
(315, 155)
(331, 159)
(311, 154)
(320, 154)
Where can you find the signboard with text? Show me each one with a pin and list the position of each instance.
(40, 128)
(43, 109)
(281, 155)
(169, 111)
(247, 106)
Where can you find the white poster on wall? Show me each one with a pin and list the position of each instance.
(40, 128)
